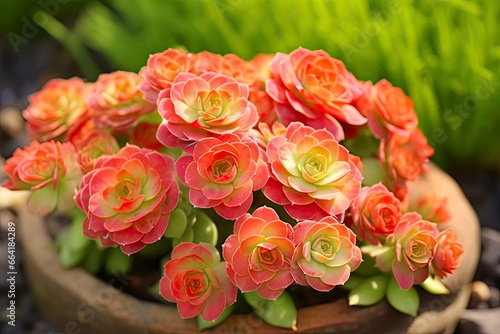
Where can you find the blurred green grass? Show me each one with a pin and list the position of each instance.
(445, 54)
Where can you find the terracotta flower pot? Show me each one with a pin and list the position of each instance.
(74, 300)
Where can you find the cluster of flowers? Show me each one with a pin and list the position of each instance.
(271, 125)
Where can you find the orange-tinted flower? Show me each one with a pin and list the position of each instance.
(204, 106)
(263, 133)
(375, 213)
(97, 144)
(447, 254)
(161, 70)
(128, 197)
(312, 175)
(325, 253)
(315, 89)
(222, 174)
(405, 157)
(259, 253)
(196, 280)
(117, 101)
(388, 110)
(432, 208)
(55, 109)
(48, 169)
(413, 247)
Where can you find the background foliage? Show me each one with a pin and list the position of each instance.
(445, 54)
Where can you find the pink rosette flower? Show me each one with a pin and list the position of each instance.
(49, 170)
(56, 108)
(413, 246)
(222, 174)
(315, 89)
(375, 213)
(325, 253)
(161, 70)
(97, 144)
(312, 176)
(388, 110)
(447, 253)
(405, 157)
(128, 198)
(117, 101)
(204, 62)
(196, 280)
(204, 106)
(259, 253)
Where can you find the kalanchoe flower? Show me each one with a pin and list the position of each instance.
(57, 108)
(48, 169)
(325, 253)
(117, 101)
(375, 213)
(411, 250)
(405, 157)
(266, 106)
(316, 89)
(431, 208)
(128, 198)
(237, 68)
(222, 173)
(196, 280)
(312, 175)
(388, 110)
(447, 253)
(161, 70)
(259, 253)
(144, 135)
(204, 62)
(198, 107)
(263, 133)
(97, 144)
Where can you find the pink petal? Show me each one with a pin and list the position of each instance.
(188, 310)
(267, 293)
(132, 248)
(214, 306)
(336, 275)
(281, 280)
(318, 284)
(245, 283)
(199, 200)
(234, 212)
(165, 289)
(403, 275)
(128, 236)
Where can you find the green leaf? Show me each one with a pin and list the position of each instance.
(204, 229)
(156, 249)
(177, 224)
(187, 236)
(405, 301)
(93, 259)
(280, 312)
(352, 282)
(370, 291)
(367, 268)
(117, 262)
(74, 246)
(202, 324)
(435, 286)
